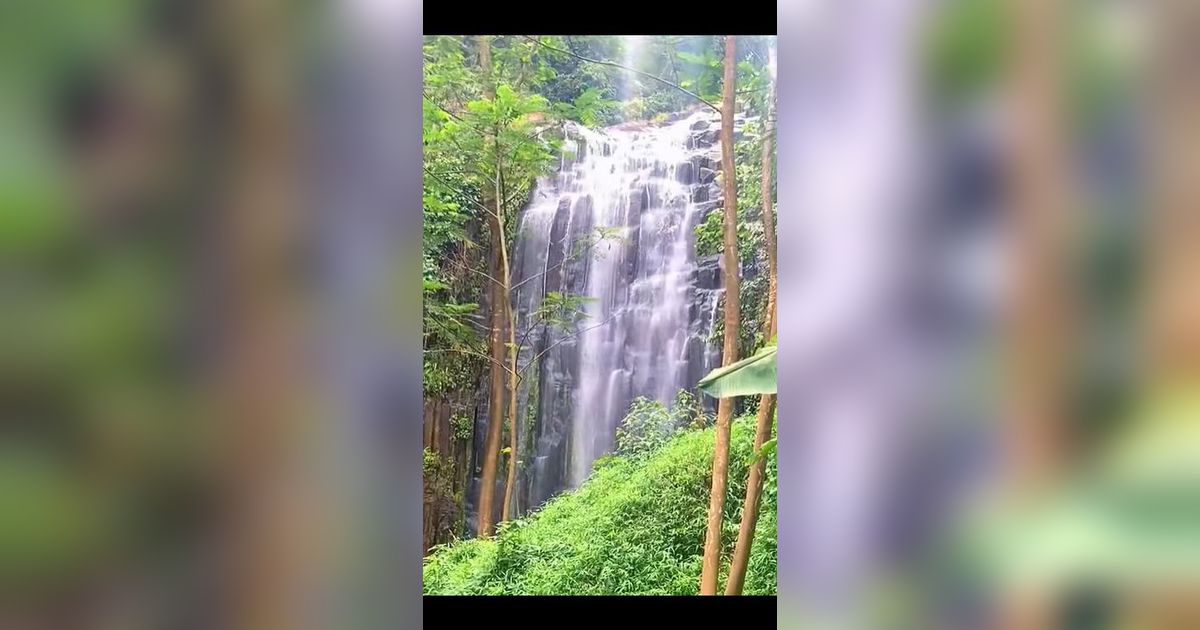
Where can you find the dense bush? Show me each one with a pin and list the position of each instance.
(635, 527)
(650, 424)
(645, 429)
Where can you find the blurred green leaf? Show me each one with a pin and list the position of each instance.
(750, 376)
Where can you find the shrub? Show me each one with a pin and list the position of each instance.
(650, 424)
(462, 425)
(646, 427)
(635, 527)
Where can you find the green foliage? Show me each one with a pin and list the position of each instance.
(52, 526)
(1105, 63)
(447, 69)
(443, 372)
(748, 168)
(453, 347)
(574, 78)
(451, 325)
(474, 143)
(688, 412)
(92, 365)
(438, 472)
(635, 527)
(562, 310)
(438, 477)
(430, 462)
(766, 450)
(520, 62)
(710, 233)
(1134, 519)
(461, 425)
(965, 47)
(753, 311)
(589, 108)
(750, 376)
(707, 68)
(649, 424)
(703, 68)
(599, 234)
(646, 427)
(694, 63)
(534, 87)
(605, 460)
(472, 139)
(638, 524)
(750, 236)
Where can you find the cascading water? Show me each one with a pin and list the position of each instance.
(615, 223)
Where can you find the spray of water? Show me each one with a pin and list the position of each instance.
(635, 193)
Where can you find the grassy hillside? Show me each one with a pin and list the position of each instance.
(635, 527)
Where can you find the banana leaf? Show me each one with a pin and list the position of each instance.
(749, 377)
(1135, 517)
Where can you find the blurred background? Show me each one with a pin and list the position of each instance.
(990, 320)
(206, 232)
(988, 314)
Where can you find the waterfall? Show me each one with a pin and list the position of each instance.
(615, 223)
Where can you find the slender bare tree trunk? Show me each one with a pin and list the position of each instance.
(268, 560)
(1172, 308)
(1043, 200)
(1173, 246)
(716, 504)
(511, 481)
(766, 405)
(491, 446)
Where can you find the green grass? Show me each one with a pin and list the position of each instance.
(635, 527)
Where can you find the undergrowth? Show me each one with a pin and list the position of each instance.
(635, 527)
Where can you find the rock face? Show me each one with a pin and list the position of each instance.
(652, 304)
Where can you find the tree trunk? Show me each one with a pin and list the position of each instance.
(491, 446)
(716, 502)
(1042, 203)
(511, 480)
(268, 560)
(1172, 294)
(1173, 249)
(766, 406)
(429, 533)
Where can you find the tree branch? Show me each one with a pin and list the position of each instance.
(539, 274)
(476, 354)
(566, 259)
(448, 185)
(570, 336)
(617, 65)
(525, 139)
(511, 198)
(466, 267)
(468, 351)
